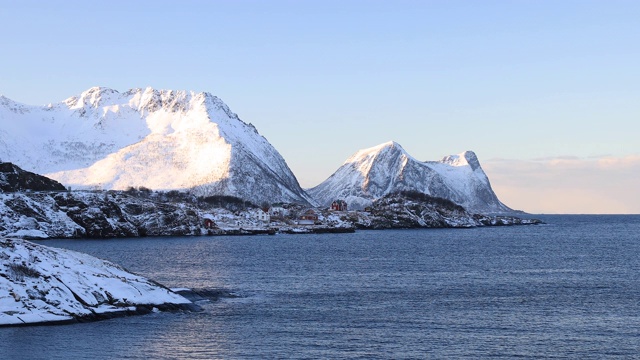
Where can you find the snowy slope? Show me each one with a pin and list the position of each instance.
(41, 284)
(372, 173)
(159, 139)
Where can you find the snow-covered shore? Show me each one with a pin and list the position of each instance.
(39, 284)
(86, 214)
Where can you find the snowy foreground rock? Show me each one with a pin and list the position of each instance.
(39, 284)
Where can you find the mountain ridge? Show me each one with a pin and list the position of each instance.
(372, 173)
(167, 139)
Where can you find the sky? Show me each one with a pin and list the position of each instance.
(546, 93)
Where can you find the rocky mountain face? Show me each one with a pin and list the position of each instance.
(373, 173)
(159, 139)
(12, 178)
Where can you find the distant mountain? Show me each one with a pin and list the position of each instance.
(387, 168)
(12, 178)
(159, 139)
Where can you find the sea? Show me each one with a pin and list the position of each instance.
(566, 289)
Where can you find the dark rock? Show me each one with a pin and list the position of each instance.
(410, 210)
(99, 215)
(13, 178)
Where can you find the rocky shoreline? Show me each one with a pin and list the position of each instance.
(40, 285)
(35, 207)
(130, 311)
(113, 214)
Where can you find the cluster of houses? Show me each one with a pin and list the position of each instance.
(308, 217)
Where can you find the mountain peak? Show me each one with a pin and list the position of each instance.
(390, 145)
(93, 97)
(463, 159)
(5, 100)
(145, 100)
(387, 149)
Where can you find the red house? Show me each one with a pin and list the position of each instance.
(339, 205)
(209, 224)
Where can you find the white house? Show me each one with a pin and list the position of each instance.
(261, 216)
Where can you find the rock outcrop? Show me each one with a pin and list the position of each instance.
(39, 285)
(13, 178)
(411, 210)
(84, 214)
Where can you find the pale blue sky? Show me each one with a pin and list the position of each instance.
(519, 80)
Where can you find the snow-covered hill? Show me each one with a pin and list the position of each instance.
(159, 139)
(375, 172)
(39, 284)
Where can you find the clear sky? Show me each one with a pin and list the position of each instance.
(547, 93)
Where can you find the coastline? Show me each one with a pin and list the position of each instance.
(112, 214)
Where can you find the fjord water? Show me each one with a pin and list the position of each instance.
(566, 289)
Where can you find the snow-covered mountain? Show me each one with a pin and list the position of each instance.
(372, 173)
(159, 139)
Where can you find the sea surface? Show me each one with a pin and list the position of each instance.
(568, 289)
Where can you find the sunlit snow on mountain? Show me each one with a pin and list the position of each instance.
(159, 139)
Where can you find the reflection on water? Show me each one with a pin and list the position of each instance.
(567, 289)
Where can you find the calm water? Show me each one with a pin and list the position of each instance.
(568, 289)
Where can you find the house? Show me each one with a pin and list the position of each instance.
(278, 212)
(308, 218)
(209, 223)
(339, 205)
(261, 215)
